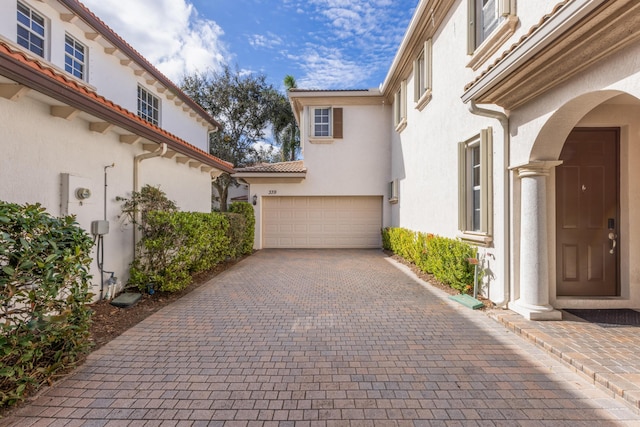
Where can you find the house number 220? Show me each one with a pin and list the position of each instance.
(273, 192)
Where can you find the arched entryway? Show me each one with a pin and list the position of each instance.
(561, 265)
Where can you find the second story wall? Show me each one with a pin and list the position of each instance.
(354, 157)
(85, 54)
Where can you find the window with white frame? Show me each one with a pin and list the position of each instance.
(148, 106)
(74, 57)
(326, 123)
(321, 122)
(475, 198)
(400, 107)
(422, 76)
(31, 30)
(487, 13)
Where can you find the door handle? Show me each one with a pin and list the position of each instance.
(613, 236)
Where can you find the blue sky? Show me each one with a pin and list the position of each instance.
(324, 44)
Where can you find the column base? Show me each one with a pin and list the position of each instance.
(535, 312)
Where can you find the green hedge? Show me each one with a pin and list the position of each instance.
(175, 245)
(246, 211)
(444, 258)
(44, 288)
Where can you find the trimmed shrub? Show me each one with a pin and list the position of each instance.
(176, 245)
(246, 210)
(44, 289)
(446, 259)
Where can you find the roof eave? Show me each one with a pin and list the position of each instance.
(426, 20)
(27, 75)
(550, 31)
(92, 20)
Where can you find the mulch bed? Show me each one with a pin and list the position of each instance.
(108, 321)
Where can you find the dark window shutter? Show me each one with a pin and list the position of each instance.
(337, 123)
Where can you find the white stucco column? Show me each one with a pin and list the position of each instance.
(534, 245)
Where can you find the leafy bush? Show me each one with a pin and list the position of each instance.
(44, 288)
(446, 259)
(246, 210)
(149, 199)
(175, 245)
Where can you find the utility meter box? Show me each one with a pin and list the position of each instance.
(76, 193)
(100, 227)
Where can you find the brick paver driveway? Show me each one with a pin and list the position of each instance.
(320, 338)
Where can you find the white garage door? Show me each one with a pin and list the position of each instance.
(321, 222)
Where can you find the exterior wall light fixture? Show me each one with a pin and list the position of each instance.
(254, 199)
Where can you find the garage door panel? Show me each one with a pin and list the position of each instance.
(322, 222)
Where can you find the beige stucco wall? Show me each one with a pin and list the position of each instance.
(38, 148)
(356, 165)
(425, 154)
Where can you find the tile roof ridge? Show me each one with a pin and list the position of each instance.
(295, 166)
(83, 90)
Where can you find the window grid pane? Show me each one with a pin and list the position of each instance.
(475, 187)
(74, 57)
(321, 123)
(30, 30)
(419, 76)
(487, 19)
(148, 106)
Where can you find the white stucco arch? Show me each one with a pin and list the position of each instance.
(549, 141)
(617, 105)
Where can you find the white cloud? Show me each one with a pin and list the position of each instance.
(168, 33)
(350, 41)
(326, 67)
(269, 40)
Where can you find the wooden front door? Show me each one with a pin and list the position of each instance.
(587, 242)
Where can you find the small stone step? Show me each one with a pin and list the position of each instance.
(126, 300)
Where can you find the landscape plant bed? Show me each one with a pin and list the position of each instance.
(433, 281)
(108, 321)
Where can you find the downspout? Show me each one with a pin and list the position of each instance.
(160, 151)
(504, 121)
